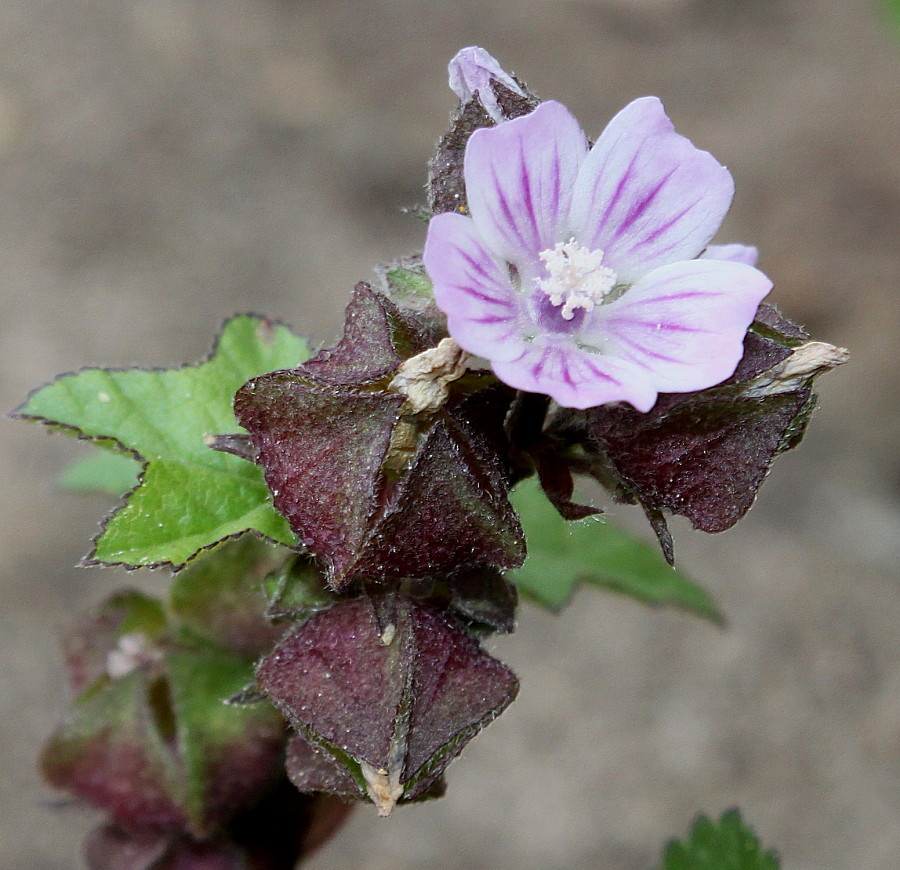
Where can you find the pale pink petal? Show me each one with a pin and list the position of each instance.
(576, 378)
(519, 180)
(471, 72)
(473, 288)
(736, 253)
(645, 195)
(684, 323)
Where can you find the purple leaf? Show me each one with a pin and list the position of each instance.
(323, 449)
(449, 510)
(312, 769)
(94, 636)
(373, 487)
(769, 342)
(112, 750)
(391, 689)
(760, 355)
(770, 319)
(377, 337)
(156, 745)
(446, 185)
(556, 481)
(703, 454)
(705, 459)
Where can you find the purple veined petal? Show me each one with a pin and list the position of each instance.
(735, 253)
(519, 180)
(576, 378)
(684, 323)
(471, 71)
(645, 195)
(473, 289)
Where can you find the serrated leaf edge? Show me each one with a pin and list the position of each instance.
(108, 442)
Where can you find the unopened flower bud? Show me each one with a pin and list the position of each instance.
(473, 72)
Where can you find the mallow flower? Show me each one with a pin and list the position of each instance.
(585, 273)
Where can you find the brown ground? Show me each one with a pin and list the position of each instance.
(164, 163)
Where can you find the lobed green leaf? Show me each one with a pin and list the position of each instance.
(190, 497)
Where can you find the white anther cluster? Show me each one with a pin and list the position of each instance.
(575, 278)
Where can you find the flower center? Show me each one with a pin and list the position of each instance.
(575, 277)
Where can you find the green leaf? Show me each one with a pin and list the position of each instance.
(563, 554)
(407, 284)
(224, 748)
(296, 590)
(112, 473)
(892, 10)
(219, 597)
(729, 844)
(190, 497)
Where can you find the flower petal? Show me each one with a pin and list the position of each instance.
(736, 253)
(576, 378)
(519, 180)
(684, 323)
(645, 195)
(473, 288)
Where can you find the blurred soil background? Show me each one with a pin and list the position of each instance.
(165, 163)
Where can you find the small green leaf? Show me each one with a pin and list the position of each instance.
(296, 590)
(729, 844)
(102, 471)
(563, 554)
(407, 284)
(191, 497)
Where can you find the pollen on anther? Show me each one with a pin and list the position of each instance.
(576, 277)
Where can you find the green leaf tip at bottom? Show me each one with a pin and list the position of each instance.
(563, 554)
(728, 844)
(190, 497)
